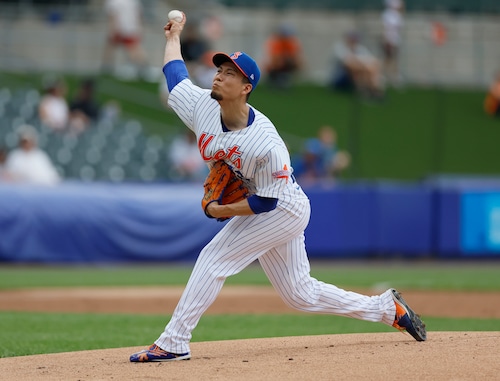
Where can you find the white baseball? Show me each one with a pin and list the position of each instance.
(175, 15)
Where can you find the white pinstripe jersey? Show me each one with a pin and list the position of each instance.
(257, 154)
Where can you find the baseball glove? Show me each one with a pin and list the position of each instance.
(222, 186)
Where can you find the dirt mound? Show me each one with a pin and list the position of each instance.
(381, 356)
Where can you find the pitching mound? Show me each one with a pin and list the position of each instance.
(382, 356)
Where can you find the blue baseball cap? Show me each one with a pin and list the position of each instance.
(243, 62)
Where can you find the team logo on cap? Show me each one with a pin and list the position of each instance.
(235, 55)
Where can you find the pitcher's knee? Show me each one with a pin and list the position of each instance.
(299, 300)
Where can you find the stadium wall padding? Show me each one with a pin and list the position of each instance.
(99, 222)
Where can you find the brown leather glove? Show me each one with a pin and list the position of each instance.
(222, 186)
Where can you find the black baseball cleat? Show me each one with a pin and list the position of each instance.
(406, 319)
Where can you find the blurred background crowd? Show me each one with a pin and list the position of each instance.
(363, 89)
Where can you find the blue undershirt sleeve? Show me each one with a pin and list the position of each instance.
(175, 72)
(262, 204)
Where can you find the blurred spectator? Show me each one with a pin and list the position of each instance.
(356, 67)
(284, 57)
(492, 99)
(28, 163)
(187, 164)
(203, 74)
(111, 111)
(392, 22)
(4, 173)
(193, 48)
(439, 33)
(84, 109)
(53, 109)
(125, 31)
(321, 159)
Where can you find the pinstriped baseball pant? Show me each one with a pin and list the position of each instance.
(276, 239)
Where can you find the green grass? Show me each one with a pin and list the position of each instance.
(412, 134)
(409, 275)
(25, 333)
